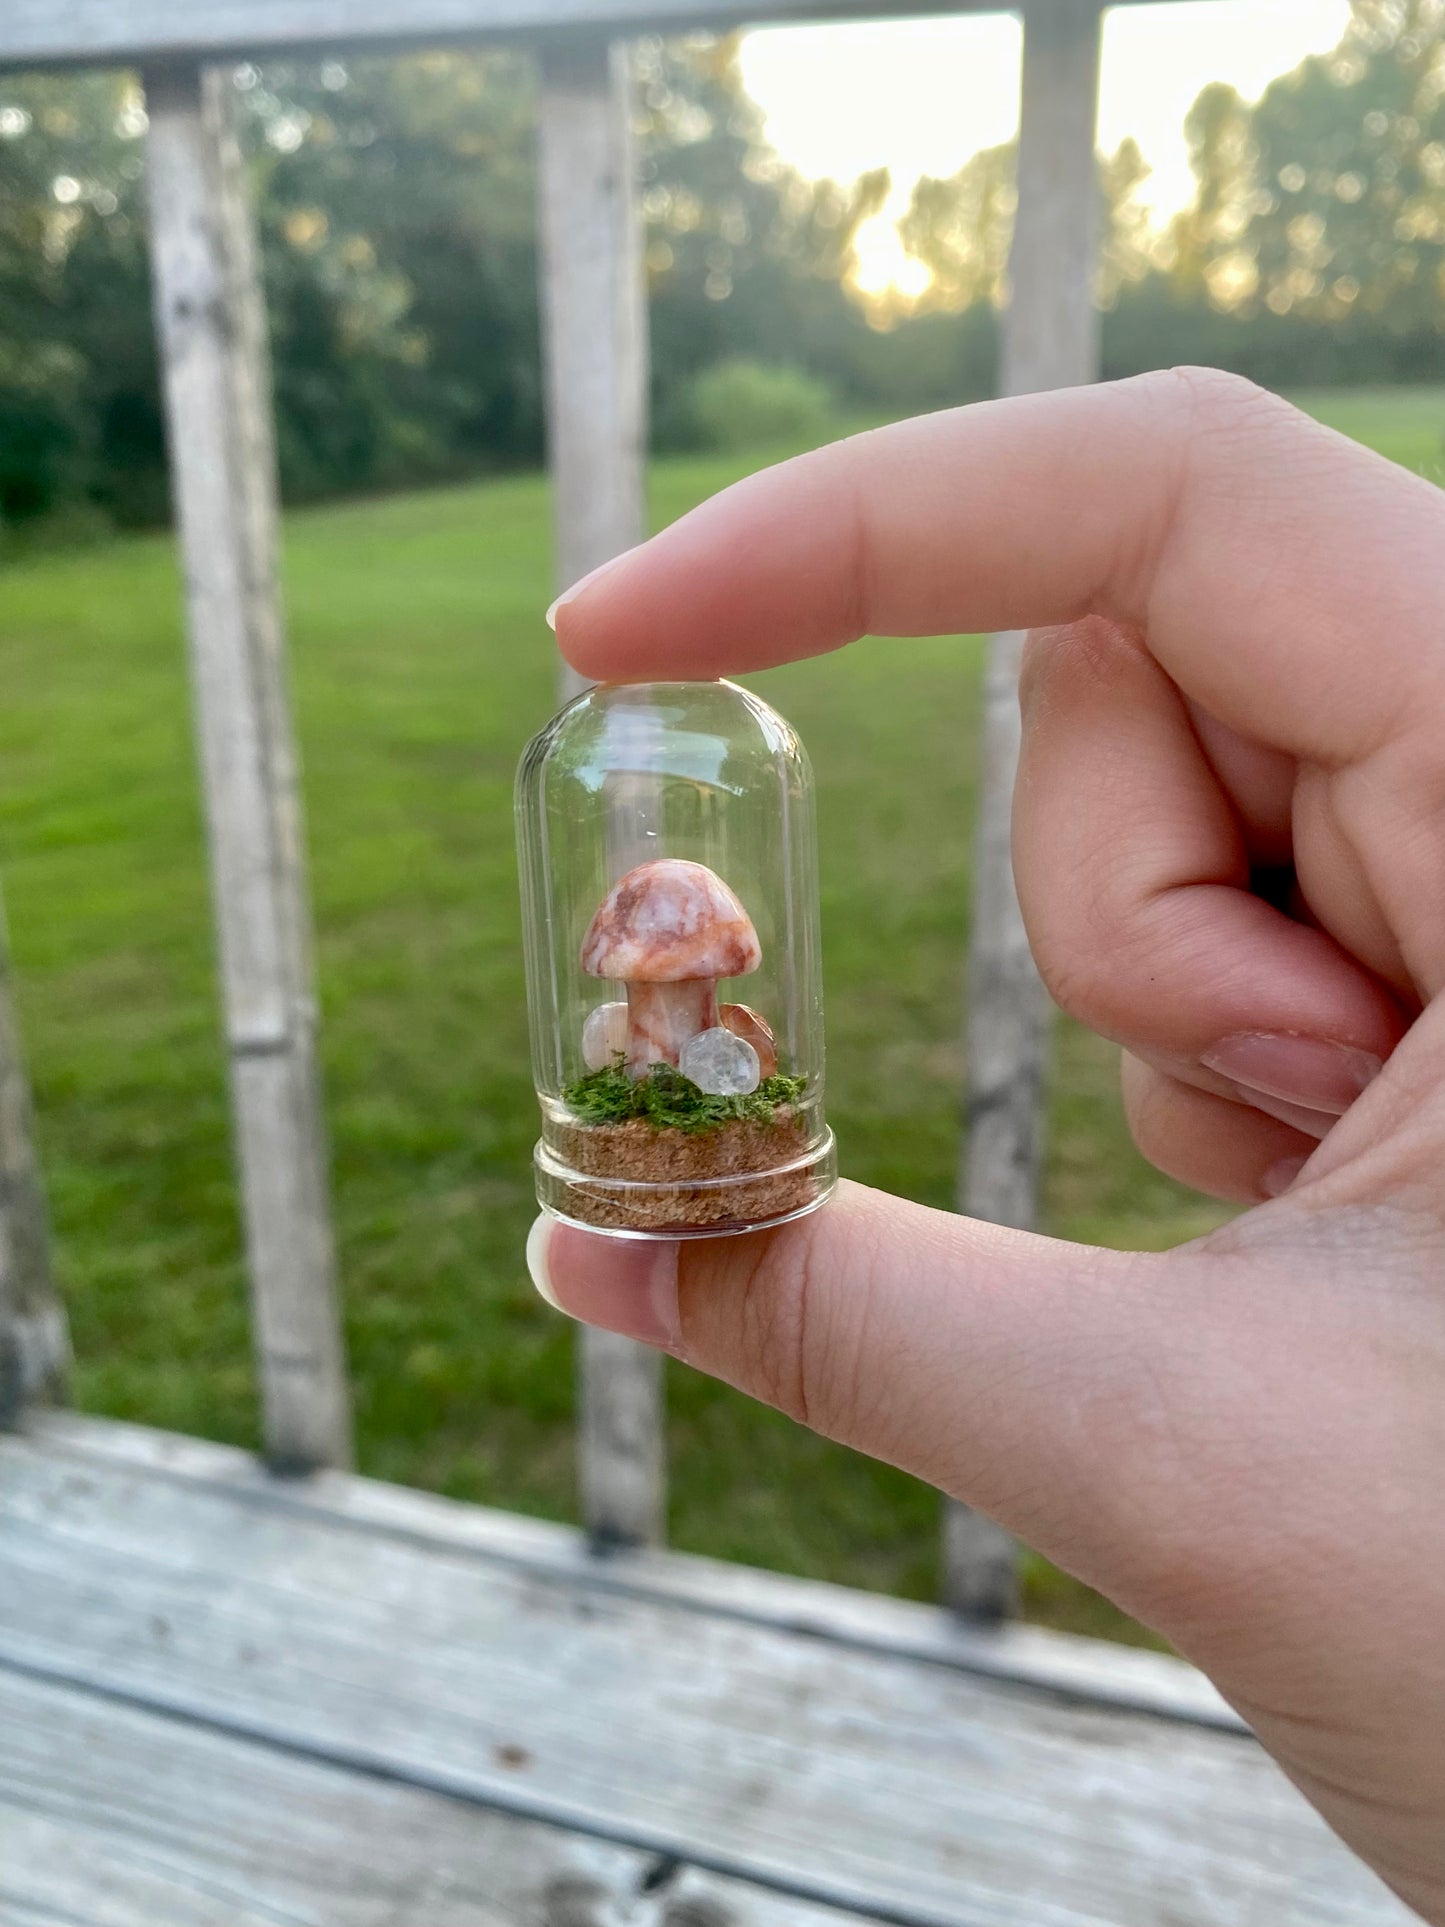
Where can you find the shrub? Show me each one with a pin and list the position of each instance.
(749, 404)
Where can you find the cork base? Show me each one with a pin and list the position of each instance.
(669, 1183)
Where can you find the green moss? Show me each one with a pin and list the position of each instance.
(670, 1101)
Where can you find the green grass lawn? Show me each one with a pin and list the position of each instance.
(1407, 424)
(421, 666)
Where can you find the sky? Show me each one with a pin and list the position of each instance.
(921, 96)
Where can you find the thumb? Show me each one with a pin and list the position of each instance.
(1016, 1372)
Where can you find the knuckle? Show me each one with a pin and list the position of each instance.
(767, 1289)
(1084, 990)
(1061, 663)
(1099, 968)
(1215, 399)
(803, 1344)
(1209, 425)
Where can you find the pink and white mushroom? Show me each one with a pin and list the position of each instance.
(669, 931)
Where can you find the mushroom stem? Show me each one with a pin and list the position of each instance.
(661, 1018)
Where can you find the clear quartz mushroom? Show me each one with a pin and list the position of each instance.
(669, 930)
(604, 1036)
(720, 1063)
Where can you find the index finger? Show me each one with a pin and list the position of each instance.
(1191, 505)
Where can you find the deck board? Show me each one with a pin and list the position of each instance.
(808, 1769)
(1093, 1670)
(114, 1817)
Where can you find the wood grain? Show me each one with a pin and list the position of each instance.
(594, 312)
(217, 390)
(111, 1816)
(595, 352)
(907, 1791)
(1094, 1671)
(34, 1340)
(1050, 340)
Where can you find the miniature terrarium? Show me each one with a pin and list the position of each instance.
(670, 907)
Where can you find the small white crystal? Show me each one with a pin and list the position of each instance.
(604, 1035)
(720, 1064)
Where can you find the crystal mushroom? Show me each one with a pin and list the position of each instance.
(669, 931)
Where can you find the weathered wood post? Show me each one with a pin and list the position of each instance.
(34, 1342)
(595, 341)
(211, 322)
(1050, 340)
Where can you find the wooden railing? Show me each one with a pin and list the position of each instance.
(211, 326)
(34, 1347)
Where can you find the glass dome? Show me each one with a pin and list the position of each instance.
(670, 907)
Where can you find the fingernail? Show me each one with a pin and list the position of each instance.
(537, 1239)
(583, 582)
(1315, 1124)
(1281, 1175)
(626, 1285)
(1310, 1072)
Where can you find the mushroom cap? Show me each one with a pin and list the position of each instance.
(669, 922)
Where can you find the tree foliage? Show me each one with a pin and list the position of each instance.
(396, 206)
(78, 404)
(1313, 249)
(961, 227)
(1327, 199)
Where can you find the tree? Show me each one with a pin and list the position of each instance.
(1204, 247)
(745, 258)
(1128, 249)
(961, 227)
(1327, 199)
(396, 202)
(77, 365)
(396, 209)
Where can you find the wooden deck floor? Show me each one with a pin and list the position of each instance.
(228, 1700)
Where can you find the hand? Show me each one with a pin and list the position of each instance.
(1242, 1441)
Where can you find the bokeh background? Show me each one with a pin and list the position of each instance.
(829, 211)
